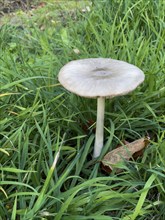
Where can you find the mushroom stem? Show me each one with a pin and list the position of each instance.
(99, 127)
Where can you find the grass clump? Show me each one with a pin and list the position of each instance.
(46, 149)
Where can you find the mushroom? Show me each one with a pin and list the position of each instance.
(100, 78)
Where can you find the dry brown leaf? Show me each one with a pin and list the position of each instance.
(124, 152)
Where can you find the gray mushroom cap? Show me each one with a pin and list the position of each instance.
(100, 77)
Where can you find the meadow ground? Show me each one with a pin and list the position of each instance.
(46, 134)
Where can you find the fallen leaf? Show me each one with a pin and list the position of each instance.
(124, 152)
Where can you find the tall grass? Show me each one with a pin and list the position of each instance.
(47, 171)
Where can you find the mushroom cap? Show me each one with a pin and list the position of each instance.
(100, 77)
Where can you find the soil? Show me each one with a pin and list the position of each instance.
(8, 6)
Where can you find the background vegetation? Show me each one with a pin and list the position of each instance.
(47, 133)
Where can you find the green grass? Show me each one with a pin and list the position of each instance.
(46, 166)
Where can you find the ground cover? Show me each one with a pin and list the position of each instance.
(47, 133)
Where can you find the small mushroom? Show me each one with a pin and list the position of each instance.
(100, 78)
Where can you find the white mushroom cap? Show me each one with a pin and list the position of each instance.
(100, 77)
